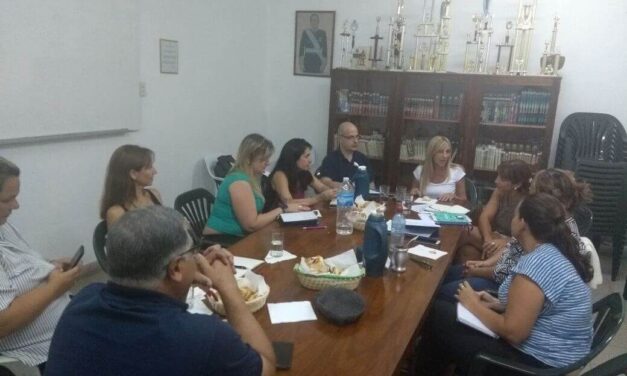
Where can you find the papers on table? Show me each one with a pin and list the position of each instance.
(468, 318)
(244, 264)
(425, 254)
(300, 217)
(424, 227)
(272, 260)
(453, 209)
(195, 302)
(291, 312)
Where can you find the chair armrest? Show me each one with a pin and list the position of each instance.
(483, 360)
(615, 366)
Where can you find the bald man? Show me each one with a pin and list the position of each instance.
(341, 162)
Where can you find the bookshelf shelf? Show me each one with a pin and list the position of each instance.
(484, 116)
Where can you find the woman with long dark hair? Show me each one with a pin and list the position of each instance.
(543, 313)
(291, 177)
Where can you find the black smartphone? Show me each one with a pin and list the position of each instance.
(283, 352)
(76, 258)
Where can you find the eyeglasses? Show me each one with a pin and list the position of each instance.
(351, 138)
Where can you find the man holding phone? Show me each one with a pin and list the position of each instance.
(138, 324)
(33, 291)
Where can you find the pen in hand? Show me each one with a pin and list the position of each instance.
(321, 227)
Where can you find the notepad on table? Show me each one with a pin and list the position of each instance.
(468, 318)
(300, 218)
(425, 255)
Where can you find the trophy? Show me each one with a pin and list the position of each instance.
(396, 39)
(502, 49)
(478, 47)
(551, 60)
(426, 41)
(376, 51)
(444, 31)
(345, 37)
(522, 38)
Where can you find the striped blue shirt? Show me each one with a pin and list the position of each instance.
(562, 333)
(21, 270)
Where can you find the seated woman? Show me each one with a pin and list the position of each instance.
(127, 185)
(438, 177)
(33, 291)
(543, 312)
(489, 274)
(493, 232)
(238, 205)
(291, 177)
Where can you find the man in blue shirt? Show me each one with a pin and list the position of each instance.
(341, 162)
(138, 324)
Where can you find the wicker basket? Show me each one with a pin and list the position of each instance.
(319, 282)
(253, 305)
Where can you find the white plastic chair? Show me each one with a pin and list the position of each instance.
(17, 367)
(210, 163)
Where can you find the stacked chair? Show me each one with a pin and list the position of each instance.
(595, 147)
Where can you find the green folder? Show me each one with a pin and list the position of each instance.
(444, 218)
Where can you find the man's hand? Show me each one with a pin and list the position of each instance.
(62, 281)
(219, 275)
(216, 252)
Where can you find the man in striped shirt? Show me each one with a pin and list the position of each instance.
(33, 291)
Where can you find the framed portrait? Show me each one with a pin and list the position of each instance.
(313, 43)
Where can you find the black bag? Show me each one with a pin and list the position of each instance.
(223, 165)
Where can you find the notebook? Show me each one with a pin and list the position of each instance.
(308, 218)
(425, 255)
(468, 318)
(450, 219)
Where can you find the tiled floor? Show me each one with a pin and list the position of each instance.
(616, 347)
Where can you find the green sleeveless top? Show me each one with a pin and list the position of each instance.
(222, 218)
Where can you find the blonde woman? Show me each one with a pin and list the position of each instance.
(438, 177)
(239, 202)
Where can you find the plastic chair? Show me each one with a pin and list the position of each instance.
(613, 367)
(210, 163)
(608, 181)
(590, 136)
(583, 217)
(609, 317)
(98, 242)
(195, 205)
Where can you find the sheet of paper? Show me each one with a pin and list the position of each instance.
(248, 263)
(273, 260)
(424, 221)
(426, 252)
(455, 209)
(196, 303)
(468, 318)
(291, 312)
(299, 217)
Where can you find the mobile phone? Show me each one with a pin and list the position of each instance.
(76, 258)
(283, 352)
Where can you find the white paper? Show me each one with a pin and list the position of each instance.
(248, 263)
(291, 312)
(419, 208)
(272, 260)
(468, 318)
(299, 217)
(195, 302)
(454, 209)
(425, 200)
(333, 202)
(426, 252)
(425, 221)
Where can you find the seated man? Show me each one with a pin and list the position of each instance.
(33, 291)
(341, 162)
(138, 324)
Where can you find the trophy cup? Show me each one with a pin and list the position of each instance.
(501, 50)
(345, 42)
(478, 47)
(426, 40)
(522, 38)
(551, 60)
(396, 39)
(444, 31)
(376, 51)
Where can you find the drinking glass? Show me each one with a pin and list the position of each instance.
(385, 191)
(276, 244)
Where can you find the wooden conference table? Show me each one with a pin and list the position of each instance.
(395, 303)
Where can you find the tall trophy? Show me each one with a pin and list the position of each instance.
(396, 39)
(522, 38)
(376, 51)
(426, 41)
(551, 60)
(504, 52)
(478, 47)
(345, 40)
(444, 32)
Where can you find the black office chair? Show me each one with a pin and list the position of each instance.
(609, 317)
(613, 367)
(195, 205)
(583, 217)
(98, 242)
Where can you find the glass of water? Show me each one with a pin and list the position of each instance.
(276, 244)
(385, 191)
(408, 201)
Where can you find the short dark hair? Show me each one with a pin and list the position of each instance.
(517, 172)
(143, 242)
(8, 170)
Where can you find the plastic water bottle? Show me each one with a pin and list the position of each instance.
(397, 237)
(362, 182)
(345, 197)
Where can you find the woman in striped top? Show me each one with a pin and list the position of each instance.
(543, 314)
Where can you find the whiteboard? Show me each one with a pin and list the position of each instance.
(68, 67)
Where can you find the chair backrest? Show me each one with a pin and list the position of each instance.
(609, 317)
(98, 242)
(195, 205)
(583, 217)
(471, 193)
(591, 136)
(210, 164)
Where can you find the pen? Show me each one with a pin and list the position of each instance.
(322, 227)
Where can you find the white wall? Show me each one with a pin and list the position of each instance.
(590, 36)
(236, 77)
(209, 106)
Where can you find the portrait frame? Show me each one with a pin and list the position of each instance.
(311, 57)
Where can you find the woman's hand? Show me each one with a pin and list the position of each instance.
(447, 197)
(293, 208)
(329, 194)
(415, 192)
(466, 295)
(493, 246)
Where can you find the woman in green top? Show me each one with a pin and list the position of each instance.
(238, 205)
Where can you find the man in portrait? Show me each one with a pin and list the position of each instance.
(312, 54)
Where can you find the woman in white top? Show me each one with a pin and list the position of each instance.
(438, 177)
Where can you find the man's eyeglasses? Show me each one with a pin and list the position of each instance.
(351, 138)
